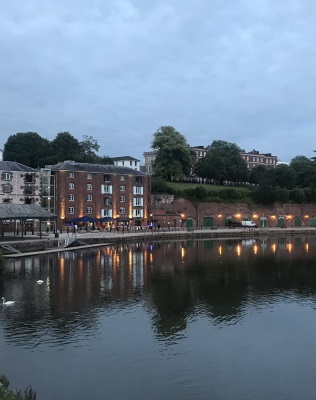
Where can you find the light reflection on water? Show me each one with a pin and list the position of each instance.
(200, 319)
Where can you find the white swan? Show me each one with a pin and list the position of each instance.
(7, 303)
(39, 281)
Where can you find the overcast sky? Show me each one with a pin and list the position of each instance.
(243, 71)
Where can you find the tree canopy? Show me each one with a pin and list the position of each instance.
(30, 149)
(27, 148)
(223, 162)
(174, 156)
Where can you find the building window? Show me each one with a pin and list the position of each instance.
(138, 213)
(106, 189)
(138, 180)
(71, 210)
(122, 188)
(28, 190)
(122, 199)
(89, 197)
(138, 190)
(89, 186)
(89, 210)
(71, 175)
(7, 176)
(71, 197)
(89, 176)
(138, 201)
(122, 178)
(122, 210)
(71, 185)
(7, 188)
(107, 201)
(106, 213)
(30, 178)
(122, 162)
(131, 163)
(7, 200)
(107, 178)
(135, 163)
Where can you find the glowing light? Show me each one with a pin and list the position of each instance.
(273, 217)
(220, 250)
(273, 247)
(182, 252)
(289, 247)
(255, 216)
(255, 249)
(238, 249)
(306, 247)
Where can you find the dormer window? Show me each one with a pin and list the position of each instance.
(107, 178)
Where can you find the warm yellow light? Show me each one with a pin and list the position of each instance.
(238, 215)
(182, 252)
(255, 216)
(220, 250)
(306, 247)
(289, 247)
(273, 217)
(306, 216)
(273, 247)
(255, 249)
(219, 215)
(238, 250)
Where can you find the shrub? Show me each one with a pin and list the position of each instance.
(7, 394)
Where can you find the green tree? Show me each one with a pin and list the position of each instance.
(258, 174)
(66, 147)
(284, 176)
(174, 157)
(104, 160)
(223, 162)
(27, 148)
(297, 195)
(305, 171)
(88, 148)
(282, 195)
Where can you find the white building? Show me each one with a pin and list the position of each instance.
(127, 161)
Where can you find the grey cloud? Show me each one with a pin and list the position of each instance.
(241, 71)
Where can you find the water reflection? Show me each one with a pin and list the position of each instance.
(188, 319)
(175, 281)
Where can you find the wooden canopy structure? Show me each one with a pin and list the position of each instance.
(22, 213)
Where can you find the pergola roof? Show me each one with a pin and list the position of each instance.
(24, 211)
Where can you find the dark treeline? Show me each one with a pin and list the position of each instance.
(30, 149)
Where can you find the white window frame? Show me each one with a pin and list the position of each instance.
(7, 176)
(89, 186)
(71, 210)
(122, 211)
(89, 210)
(89, 176)
(138, 190)
(71, 185)
(106, 213)
(106, 189)
(71, 175)
(122, 188)
(138, 213)
(89, 197)
(138, 202)
(71, 197)
(122, 199)
(122, 178)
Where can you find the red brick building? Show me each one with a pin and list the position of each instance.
(75, 190)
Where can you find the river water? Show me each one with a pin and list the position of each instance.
(205, 319)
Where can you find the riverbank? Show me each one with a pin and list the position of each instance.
(30, 246)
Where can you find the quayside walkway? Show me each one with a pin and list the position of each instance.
(30, 245)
